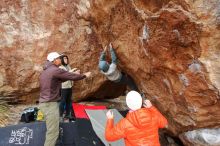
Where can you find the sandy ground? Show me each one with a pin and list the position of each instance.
(11, 114)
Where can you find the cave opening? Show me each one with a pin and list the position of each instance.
(108, 90)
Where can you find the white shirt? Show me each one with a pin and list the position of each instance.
(67, 84)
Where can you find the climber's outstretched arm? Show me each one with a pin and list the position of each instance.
(113, 55)
(103, 54)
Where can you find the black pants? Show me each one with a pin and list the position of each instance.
(66, 102)
(127, 80)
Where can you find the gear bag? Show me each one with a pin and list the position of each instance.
(29, 114)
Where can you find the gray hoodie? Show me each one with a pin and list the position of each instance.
(50, 81)
(113, 74)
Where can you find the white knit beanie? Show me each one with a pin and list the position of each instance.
(134, 100)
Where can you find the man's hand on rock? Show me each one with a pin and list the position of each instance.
(147, 104)
(110, 114)
(87, 74)
(110, 46)
(105, 49)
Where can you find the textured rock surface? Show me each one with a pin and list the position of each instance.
(202, 137)
(169, 47)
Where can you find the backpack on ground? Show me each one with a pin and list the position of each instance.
(29, 114)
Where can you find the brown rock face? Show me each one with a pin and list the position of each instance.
(169, 47)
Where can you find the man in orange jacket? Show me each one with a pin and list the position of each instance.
(140, 127)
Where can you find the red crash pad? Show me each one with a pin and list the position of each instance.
(80, 112)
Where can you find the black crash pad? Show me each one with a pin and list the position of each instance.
(86, 135)
(79, 133)
(32, 134)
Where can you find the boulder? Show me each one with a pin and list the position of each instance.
(169, 47)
